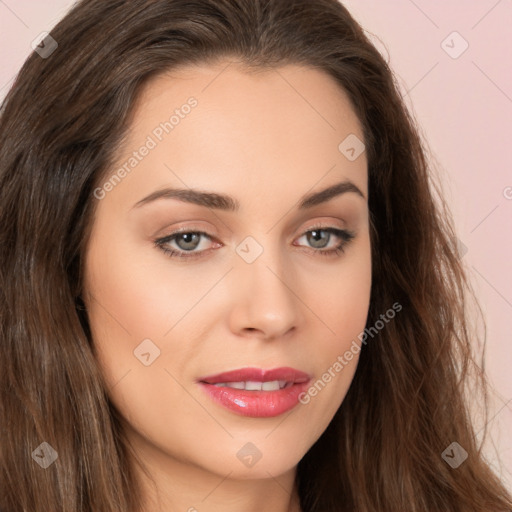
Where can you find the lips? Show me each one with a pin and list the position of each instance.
(256, 392)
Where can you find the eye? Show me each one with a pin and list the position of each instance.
(319, 238)
(186, 243)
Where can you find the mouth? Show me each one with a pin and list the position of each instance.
(256, 392)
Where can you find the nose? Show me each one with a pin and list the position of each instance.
(264, 302)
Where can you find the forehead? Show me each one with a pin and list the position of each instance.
(235, 87)
(281, 126)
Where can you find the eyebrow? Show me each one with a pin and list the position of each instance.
(227, 203)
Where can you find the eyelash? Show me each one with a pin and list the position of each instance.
(345, 235)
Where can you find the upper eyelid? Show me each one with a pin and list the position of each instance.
(211, 235)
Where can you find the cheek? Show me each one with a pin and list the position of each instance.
(341, 298)
(135, 292)
(134, 309)
(140, 302)
(341, 306)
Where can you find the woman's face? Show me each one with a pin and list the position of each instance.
(261, 286)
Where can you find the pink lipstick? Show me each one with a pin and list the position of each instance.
(256, 392)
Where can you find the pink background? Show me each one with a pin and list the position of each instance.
(464, 108)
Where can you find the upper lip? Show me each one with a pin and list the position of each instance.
(257, 375)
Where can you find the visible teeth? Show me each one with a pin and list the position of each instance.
(236, 385)
(253, 386)
(273, 385)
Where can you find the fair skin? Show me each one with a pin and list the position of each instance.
(266, 139)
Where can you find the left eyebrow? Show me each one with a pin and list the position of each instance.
(325, 195)
(228, 203)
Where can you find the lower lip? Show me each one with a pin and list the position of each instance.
(256, 404)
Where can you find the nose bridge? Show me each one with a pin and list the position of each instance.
(265, 300)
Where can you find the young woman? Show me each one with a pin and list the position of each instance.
(225, 282)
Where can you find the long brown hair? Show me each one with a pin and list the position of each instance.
(60, 126)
